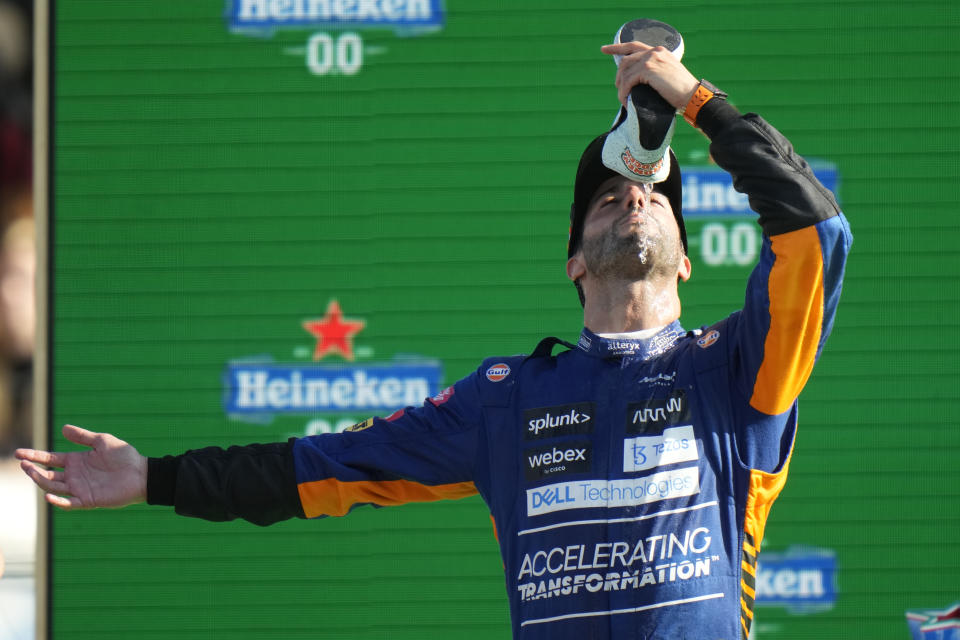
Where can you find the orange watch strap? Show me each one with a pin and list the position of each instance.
(700, 97)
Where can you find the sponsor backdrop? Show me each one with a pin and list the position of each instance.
(280, 217)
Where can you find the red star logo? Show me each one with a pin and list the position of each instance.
(334, 332)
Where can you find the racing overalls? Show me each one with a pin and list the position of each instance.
(629, 480)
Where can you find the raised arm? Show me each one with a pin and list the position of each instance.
(792, 294)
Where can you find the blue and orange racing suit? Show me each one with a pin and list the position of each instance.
(629, 480)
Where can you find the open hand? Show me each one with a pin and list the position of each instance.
(110, 474)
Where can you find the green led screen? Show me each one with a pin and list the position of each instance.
(381, 190)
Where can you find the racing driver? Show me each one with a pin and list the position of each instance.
(630, 475)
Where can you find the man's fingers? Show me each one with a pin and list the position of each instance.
(47, 458)
(79, 436)
(624, 48)
(53, 483)
(63, 502)
(629, 75)
(627, 79)
(36, 472)
(48, 480)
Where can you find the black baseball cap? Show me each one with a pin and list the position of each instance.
(591, 173)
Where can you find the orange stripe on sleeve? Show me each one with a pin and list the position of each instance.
(332, 497)
(763, 491)
(796, 317)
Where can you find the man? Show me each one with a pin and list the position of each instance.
(629, 477)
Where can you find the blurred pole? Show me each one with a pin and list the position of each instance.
(41, 198)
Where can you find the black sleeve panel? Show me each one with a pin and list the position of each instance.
(779, 183)
(256, 483)
(162, 480)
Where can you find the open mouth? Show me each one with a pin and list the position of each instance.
(635, 216)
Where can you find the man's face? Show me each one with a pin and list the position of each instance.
(630, 232)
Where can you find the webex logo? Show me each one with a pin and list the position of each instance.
(571, 457)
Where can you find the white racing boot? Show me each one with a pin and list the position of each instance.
(638, 142)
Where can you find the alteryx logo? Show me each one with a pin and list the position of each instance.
(803, 579)
(708, 191)
(403, 16)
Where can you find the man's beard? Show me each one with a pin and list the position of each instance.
(644, 253)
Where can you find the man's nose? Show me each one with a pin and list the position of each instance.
(637, 196)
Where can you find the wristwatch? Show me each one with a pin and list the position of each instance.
(704, 93)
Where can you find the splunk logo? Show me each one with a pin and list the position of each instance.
(571, 457)
(584, 494)
(548, 422)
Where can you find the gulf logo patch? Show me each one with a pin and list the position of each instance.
(498, 372)
(708, 339)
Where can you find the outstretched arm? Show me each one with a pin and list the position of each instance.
(110, 474)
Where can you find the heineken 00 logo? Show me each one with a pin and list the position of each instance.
(720, 224)
(334, 386)
(343, 55)
(325, 51)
